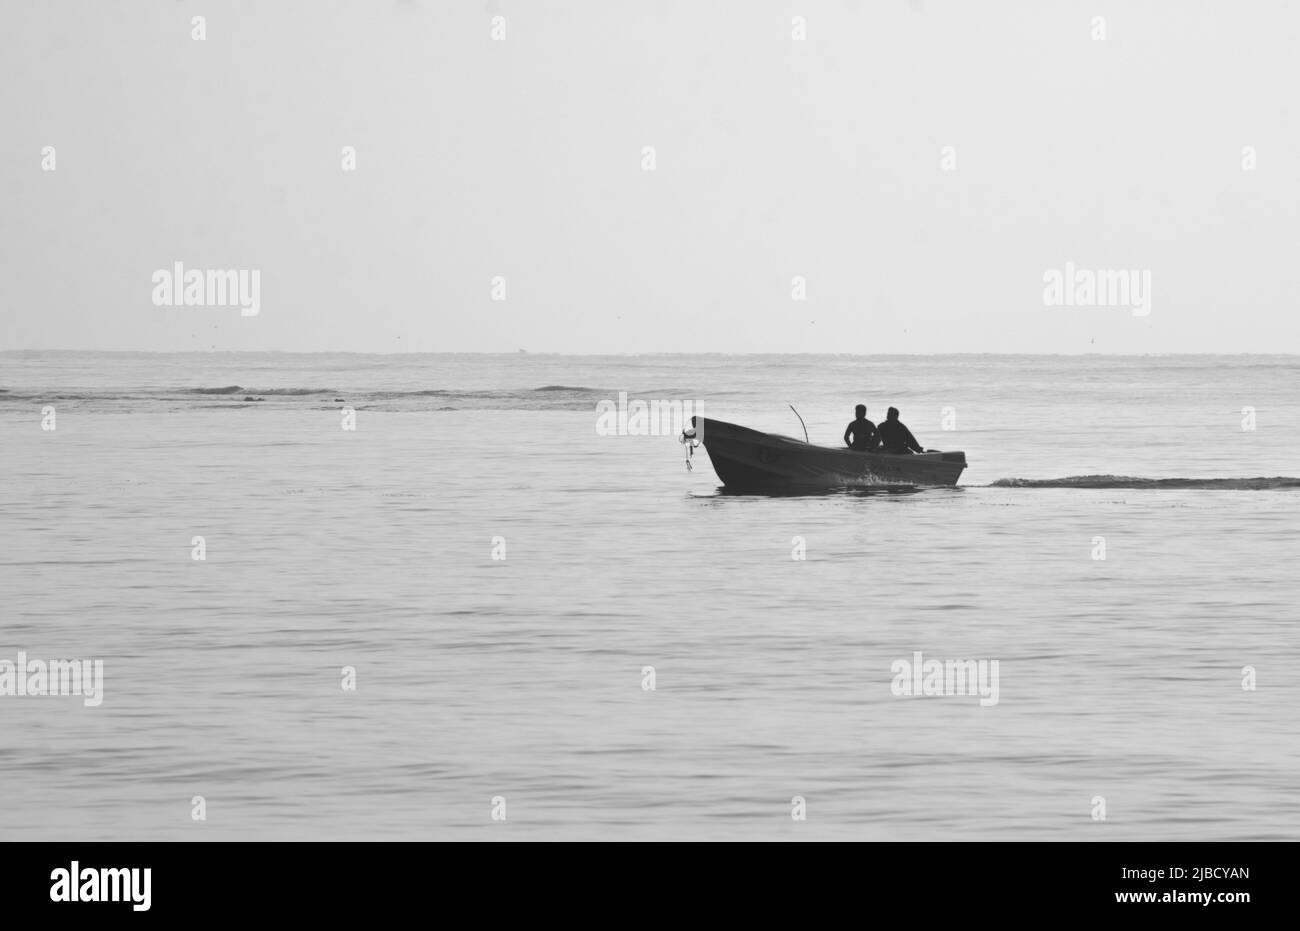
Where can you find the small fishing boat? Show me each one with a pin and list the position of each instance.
(750, 459)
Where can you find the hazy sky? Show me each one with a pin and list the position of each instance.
(774, 158)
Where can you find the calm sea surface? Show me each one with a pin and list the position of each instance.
(522, 678)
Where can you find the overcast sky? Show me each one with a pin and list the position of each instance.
(774, 158)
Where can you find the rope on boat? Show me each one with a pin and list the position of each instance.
(690, 441)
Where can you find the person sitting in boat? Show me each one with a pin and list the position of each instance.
(895, 437)
(862, 432)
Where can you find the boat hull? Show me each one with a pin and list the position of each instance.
(745, 458)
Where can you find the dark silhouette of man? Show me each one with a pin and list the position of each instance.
(862, 431)
(894, 435)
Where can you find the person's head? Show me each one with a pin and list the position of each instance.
(892, 413)
(861, 411)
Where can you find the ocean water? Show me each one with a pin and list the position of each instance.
(523, 679)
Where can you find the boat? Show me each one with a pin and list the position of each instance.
(751, 459)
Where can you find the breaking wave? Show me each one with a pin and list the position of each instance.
(545, 397)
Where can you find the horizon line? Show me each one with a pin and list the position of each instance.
(523, 352)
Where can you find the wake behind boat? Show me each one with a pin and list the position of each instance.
(750, 459)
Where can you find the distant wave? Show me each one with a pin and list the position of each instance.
(422, 393)
(76, 396)
(545, 397)
(488, 392)
(1126, 481)
(497, 394)
(237, 389)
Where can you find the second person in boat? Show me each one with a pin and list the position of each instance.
(894, 435)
